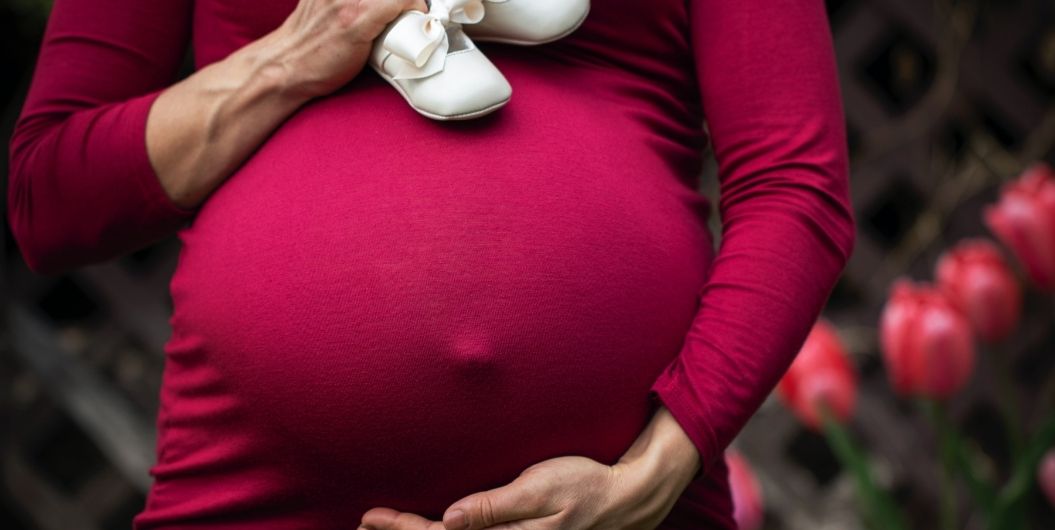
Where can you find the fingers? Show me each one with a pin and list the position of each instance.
(395, 8)
(521, 499)
(418, 5)
(389, 519)
(375, 15)
(392, 9)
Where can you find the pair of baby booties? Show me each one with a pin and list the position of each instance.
(431, 60)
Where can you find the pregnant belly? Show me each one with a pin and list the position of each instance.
(401, 325)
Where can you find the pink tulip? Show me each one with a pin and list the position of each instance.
(747, 494)
(926, 342)
(821, 373)
(978, 281)
(1046, 475)
(1024, 219)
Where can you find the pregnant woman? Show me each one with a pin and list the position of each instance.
(385, 319)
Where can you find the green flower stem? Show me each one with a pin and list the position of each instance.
(880, 510)
(1009, 401)
(983, 493)
(1008, 513)
(938, 416)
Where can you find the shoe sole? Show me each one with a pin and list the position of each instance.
(535, 42)
(440, 117)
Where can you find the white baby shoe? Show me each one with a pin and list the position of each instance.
(434, 65)
(529, 22)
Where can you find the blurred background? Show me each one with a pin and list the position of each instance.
(945, 102)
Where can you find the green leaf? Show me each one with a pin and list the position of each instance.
(880, 510)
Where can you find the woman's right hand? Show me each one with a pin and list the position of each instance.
(200, 129)
(326, 43)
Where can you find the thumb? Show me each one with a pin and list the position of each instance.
(512, 502)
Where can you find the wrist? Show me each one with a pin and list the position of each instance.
(663, 459)
(663, 451)
(270, 68)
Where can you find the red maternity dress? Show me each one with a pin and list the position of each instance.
(377, 309)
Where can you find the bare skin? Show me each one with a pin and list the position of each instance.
(575, 493)
(201, 129)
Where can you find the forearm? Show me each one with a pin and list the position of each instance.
(108, 155)
(201, 129)
(769, 88)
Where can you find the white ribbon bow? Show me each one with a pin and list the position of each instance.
(418, 41)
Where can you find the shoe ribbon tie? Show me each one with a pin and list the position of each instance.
(418, 41)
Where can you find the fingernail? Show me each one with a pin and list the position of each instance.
(456, 520)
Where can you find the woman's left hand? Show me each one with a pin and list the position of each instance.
(573, 492)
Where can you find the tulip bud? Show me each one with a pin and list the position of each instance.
(747, 494)
(927, 344)
(1024, 220)
(821, 374)
(978, 281)
(1046, 475)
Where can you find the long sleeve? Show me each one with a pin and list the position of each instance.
(81, 187)
(769, 89)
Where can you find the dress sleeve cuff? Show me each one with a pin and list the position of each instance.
(151, 190)
(674, 391)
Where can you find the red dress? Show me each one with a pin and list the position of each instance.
(377, 309)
